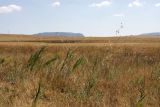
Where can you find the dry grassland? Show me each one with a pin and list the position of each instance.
(79, 72)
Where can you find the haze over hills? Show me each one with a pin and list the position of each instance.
(65, 34)
(152, 34)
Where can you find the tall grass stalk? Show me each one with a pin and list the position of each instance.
(34, 103)
(91, 81)
(52, 60)
(77, 63)
(67, 58)
(2, 60)
(34, 58)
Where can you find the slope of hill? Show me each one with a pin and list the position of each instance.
(66, 34)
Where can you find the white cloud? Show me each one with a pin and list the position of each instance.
(135, 3)
(157, 5)
(119, 15)
(56, 4)
(101, 4)
(10, 8)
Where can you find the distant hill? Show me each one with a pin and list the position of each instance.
(65, 34)
(152, 34)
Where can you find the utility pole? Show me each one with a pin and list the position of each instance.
(119, 29)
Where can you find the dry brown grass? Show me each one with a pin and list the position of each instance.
(109, 74)
(50, 39)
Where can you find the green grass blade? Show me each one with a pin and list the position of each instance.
(51, 60)
(34, 103)
(34, 58)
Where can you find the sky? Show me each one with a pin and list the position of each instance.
(90, 17)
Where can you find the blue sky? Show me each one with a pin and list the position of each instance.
(90, 17)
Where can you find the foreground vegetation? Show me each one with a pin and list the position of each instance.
(110, 75)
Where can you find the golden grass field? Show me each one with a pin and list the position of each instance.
(38, 71)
